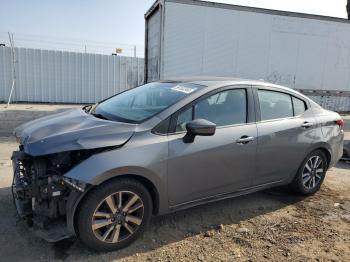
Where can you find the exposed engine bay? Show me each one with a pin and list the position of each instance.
(40, 191)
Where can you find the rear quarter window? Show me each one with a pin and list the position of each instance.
(299, 106)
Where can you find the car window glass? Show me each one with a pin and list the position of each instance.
(224, 108)
(217, 98)
(299, 106)
(140, 103)
(274, 105)
(182, 119)
(163, 127)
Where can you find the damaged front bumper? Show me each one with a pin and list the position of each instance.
(45, 198)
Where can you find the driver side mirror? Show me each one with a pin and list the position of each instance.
(198, 127)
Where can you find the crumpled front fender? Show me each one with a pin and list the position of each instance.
(136, 158)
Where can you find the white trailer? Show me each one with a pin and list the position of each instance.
(306, 52)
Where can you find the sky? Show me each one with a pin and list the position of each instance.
(100, 26)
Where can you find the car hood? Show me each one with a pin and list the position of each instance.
(71, 130)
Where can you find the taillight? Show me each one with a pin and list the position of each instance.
(340, 123)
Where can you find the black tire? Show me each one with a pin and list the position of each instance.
(300, 183)
(93, 201)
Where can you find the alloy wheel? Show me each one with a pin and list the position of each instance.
(313, 172)
(117, 217)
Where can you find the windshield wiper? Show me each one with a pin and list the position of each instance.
(99, 116)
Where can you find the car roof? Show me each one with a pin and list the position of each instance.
(214, 82)
(211, 83)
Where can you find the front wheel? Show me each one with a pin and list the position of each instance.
(114, 214)
(311, 173)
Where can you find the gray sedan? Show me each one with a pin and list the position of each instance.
(100, 172)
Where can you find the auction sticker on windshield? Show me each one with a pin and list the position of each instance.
(183, 89)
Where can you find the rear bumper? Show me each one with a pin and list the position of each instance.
(337, 152)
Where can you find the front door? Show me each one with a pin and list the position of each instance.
(217, 164)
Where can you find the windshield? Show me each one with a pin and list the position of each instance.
(143, 102)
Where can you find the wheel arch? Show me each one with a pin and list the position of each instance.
(150, 186)
(325, 148)
(152, 189)
(327, 154)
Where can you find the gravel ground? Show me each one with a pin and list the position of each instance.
(270, 225)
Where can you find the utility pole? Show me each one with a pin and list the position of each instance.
(135, 48)
(13, 67)
(348, 9)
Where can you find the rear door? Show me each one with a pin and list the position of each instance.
(216, 164)
(286, 131)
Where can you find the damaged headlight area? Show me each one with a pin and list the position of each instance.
(40, 190)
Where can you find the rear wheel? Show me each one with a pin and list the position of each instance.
(114, 215)
(311, 173)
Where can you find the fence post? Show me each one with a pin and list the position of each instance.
(13, 67)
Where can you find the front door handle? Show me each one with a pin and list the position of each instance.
(245, 140)
(307, 124)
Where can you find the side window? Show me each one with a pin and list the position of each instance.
(182, 119)
(274, 105)
(224, 108)
(299, 106)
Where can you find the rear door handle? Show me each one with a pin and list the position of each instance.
(307, 124)
(245, 140)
